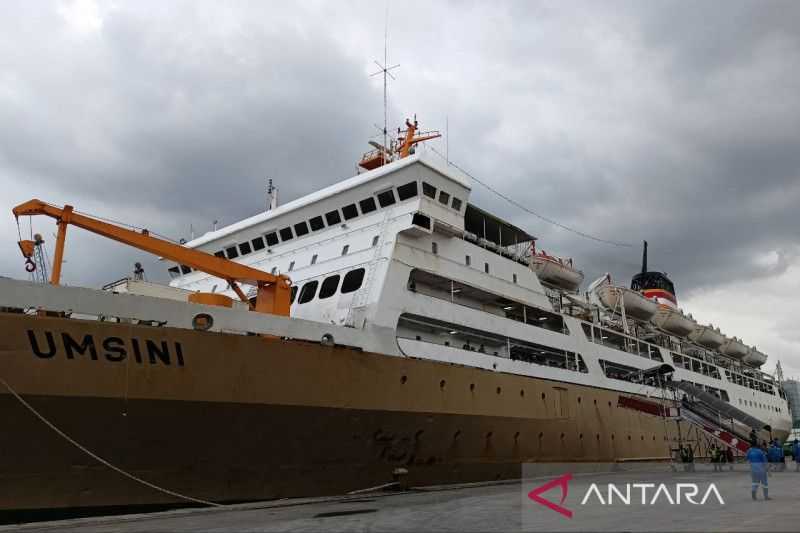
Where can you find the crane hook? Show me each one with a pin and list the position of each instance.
(30, 266)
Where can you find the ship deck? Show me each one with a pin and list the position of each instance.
(500, 506)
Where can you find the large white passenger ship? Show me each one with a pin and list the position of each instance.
(427, 339)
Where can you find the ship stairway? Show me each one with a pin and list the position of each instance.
(706, 403)
(356, 315)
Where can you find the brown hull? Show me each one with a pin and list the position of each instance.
(246, 418)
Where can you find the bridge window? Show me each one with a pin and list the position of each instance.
(286, 234)
(314, 259)
(293, 294)
(308, 292)
(219, 254)
(375, 240)
(350, 211)
(409, 190)
(244, 248)
(345, 249)
(367, 205)
(329, 287)
(456, 204)
(467, 260)
(486, 267)
(271, 238)
(291, 266)
(428, 190)
(333, 218)
(174, 272)
(352, 280)
(300, 229)
(386, 198)
(258, 243)
(316, 223)
(232, 252)
(444, 198)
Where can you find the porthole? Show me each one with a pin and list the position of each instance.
(442, 383)
(544, 396)
(499, 390)
(522, 393)
(471, 386)
(403, 380)
(202, 322)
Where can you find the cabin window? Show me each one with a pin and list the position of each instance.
(286, 234)
(273, 270)
(244, 248)
(185, 269)
(329, 287)
(232, 252)
(467, 260)
(352, 280)
(308, 292)
(293, 294)
(271, 238)
(428, 190)
(375, 240)
(219, 254)
(617, 371)
(434, 248)
(486, 267)
(300, 229)
(421, 220)
(291, 266)
(258, 243)
(386, 198)
(345, 249)
(444, 198)
(409, 190)
(350, 211)
(314, 259)
(316, 223)
(333, 218)
(174, 272)
(367, 205)
(514, 278)
(456, 204)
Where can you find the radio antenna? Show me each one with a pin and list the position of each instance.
(384, 69)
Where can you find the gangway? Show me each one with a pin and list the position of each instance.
(722, 407)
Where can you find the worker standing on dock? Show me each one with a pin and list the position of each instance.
(796, 454)
(758, 471)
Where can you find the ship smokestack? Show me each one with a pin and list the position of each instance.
(644, 258)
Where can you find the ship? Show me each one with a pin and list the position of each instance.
(383, 330)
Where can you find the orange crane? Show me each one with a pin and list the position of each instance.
(273, 290)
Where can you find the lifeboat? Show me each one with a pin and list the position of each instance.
(755, 357)
(672, 320)
(733, 347)
(556, 271)
(613, 297)
(707, 336)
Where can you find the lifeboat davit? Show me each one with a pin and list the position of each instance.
(733, 347)
(755, 357)
(672, 320)
(613, 297)
(707, 336)
(556, 271)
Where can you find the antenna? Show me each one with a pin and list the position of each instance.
(644, 258)
(272, 194)
(384, 69)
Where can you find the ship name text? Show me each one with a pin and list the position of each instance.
(48, 344)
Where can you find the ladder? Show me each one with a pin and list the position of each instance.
(356, 315)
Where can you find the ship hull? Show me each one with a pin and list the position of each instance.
(228, 417)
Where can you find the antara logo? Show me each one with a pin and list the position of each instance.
(648, 494)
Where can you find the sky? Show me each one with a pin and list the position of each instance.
(675, 122)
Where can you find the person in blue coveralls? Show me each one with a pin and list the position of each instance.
(758, 471)
(796, 454)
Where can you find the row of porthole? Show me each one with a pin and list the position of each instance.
(490, 434)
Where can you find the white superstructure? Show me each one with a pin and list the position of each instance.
(400, 251)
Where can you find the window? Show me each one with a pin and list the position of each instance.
(329, 287)
(185, 269)
(291, 266)
(314, 259)
(434, 248)
(345, 249)
(375, 240)
(367, 205)
(308, 292)
(300, 229)
(333, 218)
(486, 267)
(271, 238)
(286, 234)
(421, 220)
(316, 223)
(467, 260)
(444, 198)
(293, 294)
(174, 272)
(386, 198)
(244, 248)
(258, 243)
(349, 211)
(428, 190)
(514, 278)
(219, 254)
(456, 204)
(409, 190)
(232, 252)
(273, 270)
(352, 280)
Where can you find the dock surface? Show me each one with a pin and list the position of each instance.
(488, 507)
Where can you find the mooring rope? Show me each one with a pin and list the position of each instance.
(99, 459)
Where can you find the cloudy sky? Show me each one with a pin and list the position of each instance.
(675, 122)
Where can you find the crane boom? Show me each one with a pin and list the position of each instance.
(273, 290)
